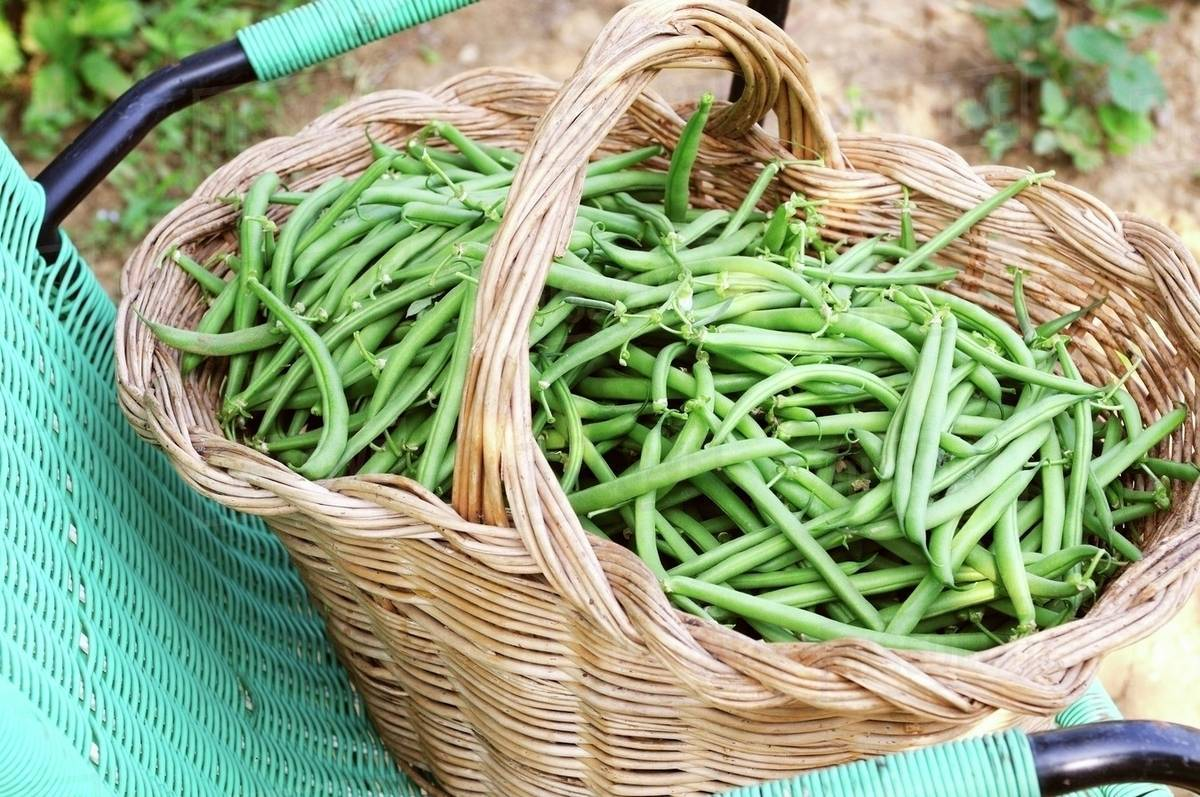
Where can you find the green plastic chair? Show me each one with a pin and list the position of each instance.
(153, 642)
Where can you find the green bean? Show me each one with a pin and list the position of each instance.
(1180, 471)
(788, 378)
(643, 506)
(428, 326)
(757, 189)
(750, 481)
(760, 268)
(627, 487)
(343, 202)
(777, 228)
(1023, 420)
(382, 460)
(381, 418)
(809, 624)
(1109, 535)
(1054, 497)
(479, 160)
(398, 237)
(690, 527)
(222, 344)
(426, 251)
(335, 413)
(318, 257)
(928, 438)
(676, 196)
(921, 600)
(213, 320)
(965, 222)
(623, 160)
(297, 223)
(307, 439)
(602, 342)
(727, 501)
(250, 239)
(618, 223)
(908, 236)
(1131, 416)
(1111, 464)
(880, 279)
(609, 429)
(876, 582)
(941, 544)
(342, 330)
(854, 256)
(990, 477)
(787, 343)
(1020, 309)
(788, 578)
(1022, 373)
(727, 551)
(650, 261)
(574, 431)
(871, 444)
(1053, 327)
(445, 417)
(207, 280)
(658, 379)
(749, 361)
(670, 540)
(1011, 567)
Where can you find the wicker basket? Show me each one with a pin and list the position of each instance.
(502, 650)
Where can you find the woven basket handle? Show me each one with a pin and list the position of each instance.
(497, 458)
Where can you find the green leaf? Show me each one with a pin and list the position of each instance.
(972, 114)
(1125, 129)
(1096, 45)
(1006, 36)
(1136, 19)
(1135, 85)
(1044, 143)
(1080, 137)
(1079, 124)
(11, 59)
(1054, 103)
(1087, 159)
(44, 30)
(53, 90)
(997, 97)
(1042, 9)
(1000, 139)
(156, 39)
(105, 18)
(103, 76)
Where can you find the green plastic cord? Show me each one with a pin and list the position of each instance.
(151, 641)
(312, 33)
(999, 765)
(1096, 706)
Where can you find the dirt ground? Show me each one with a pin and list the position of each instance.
(911, 62)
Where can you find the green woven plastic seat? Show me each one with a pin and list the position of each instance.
(151, 642)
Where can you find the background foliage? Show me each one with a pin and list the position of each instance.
(1092, 90)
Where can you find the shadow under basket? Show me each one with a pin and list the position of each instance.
(501, 649)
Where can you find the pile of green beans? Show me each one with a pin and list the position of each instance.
(801, 439)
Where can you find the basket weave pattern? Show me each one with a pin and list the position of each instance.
(500, 648)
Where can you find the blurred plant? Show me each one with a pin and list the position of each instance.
(860, 112)
(1094, 89)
